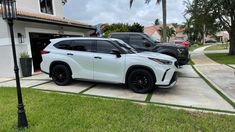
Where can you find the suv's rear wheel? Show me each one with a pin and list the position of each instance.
(140, 81)
(61, 75)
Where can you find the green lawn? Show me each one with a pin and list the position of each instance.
(195, 46)
(217, 47)
(57, 112)
(222, 58)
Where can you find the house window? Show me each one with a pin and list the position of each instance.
(46, 6)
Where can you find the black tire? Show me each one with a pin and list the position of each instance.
(140, 81)
(61, 75)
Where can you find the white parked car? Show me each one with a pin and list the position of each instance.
(107, 60)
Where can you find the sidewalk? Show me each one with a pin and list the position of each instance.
(222, 76)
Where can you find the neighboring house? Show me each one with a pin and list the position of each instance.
(223, 36)
(37, 22)
(180, 35)
(153, 32)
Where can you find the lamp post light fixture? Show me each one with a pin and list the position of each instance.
(9, 12)
(20, 38)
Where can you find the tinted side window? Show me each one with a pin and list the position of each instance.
(104, 47)
(81, 45)
(66, 45)
(123, 37)
(136, 41)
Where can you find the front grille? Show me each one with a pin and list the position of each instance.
(183, 52)
(174, 78)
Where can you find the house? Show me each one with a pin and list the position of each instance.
(153, 32)
(37, 22)
(223, 36)
(180, 35)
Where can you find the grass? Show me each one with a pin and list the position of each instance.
(57, 112)
(194, 46)
(217, 47)
(222, 58)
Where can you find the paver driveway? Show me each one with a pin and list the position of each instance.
(190, 91)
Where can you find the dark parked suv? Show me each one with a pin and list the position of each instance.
(142, 42)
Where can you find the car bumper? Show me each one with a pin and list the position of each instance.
(184, 60)
(172, 82)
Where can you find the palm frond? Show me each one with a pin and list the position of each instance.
(158, 1)
(146, 2)
(131, 3)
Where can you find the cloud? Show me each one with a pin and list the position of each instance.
(114, 11)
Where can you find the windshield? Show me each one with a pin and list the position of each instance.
(128, 49)
(151, 39)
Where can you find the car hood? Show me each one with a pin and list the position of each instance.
(156, 55)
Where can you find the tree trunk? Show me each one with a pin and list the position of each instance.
(204, 34)
(232, 40)
(164, 20)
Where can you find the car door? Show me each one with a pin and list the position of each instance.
(82, 54)
(108, 67)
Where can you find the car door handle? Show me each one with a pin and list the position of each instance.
(97, 57)
(70, 54)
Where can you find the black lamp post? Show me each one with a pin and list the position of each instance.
(9, 14)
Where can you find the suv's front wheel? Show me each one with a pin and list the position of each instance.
(140, 81)
(61, 75)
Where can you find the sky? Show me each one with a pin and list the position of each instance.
(114, 11)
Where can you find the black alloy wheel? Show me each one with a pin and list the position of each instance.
(141, 81)
(61, 75)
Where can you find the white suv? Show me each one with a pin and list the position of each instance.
(107, 60)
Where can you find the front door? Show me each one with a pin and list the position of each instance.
(107, 66)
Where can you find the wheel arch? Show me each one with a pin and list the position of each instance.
(59, 63)
(134, 67)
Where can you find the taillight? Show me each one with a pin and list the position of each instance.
(44, 52)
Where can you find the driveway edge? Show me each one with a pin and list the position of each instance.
(215, 87)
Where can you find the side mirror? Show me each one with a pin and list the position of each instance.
(147, 44)
(116, 52)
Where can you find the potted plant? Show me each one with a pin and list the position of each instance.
(26, 64)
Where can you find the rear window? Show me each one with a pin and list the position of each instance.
(75, 45)
(66, 45)
(82, 45)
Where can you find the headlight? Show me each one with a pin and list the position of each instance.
(160, 61)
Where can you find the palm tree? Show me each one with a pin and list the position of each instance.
(164, 39)
(170, 32)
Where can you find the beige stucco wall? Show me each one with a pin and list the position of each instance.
(6, 61)
(34, 6)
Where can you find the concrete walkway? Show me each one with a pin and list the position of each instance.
(221, 76)
(233, 66)
(199, 58)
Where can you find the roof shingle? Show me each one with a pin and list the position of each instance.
(50, 18)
